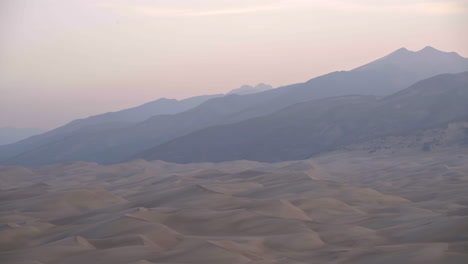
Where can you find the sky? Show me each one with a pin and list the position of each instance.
(63, 60)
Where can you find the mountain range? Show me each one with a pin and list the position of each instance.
(103, 123)
(303, 130)
(115, 137)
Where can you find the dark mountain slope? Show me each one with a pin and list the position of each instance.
(306, 129)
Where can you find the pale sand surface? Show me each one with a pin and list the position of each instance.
(342, 207)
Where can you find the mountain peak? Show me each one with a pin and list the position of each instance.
(424, 51)
(429, 48)
(248, 89)
(429, 61)
(263, 87)
(401, 50)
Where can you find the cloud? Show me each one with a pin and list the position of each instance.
(191, 9)
(191, 12)
(442, 8)
(435, 7)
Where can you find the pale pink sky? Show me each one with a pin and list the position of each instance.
(62, 60)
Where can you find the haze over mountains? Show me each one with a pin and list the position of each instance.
(118, 141)
(140, 113)
(10, 135)
(107, 121)
(247, 89)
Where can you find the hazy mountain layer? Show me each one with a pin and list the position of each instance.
(350, 207)
(120, 141)
(10, 135)
(103, 123)
(140, 113)
(247, 89)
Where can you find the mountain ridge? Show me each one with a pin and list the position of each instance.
(306, 129)
(103, 122)
(247, 89)
(119, 141)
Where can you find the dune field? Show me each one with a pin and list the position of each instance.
(348, 206)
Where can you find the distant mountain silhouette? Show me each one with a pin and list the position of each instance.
(103, 123)
(306, 129)
(10, 135)
(140, 113)
(422, 63)
(247, 89)
(117, 141)
(384, 76)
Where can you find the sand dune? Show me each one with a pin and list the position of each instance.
(343, 207)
